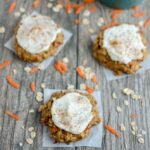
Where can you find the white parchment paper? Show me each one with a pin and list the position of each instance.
(110, 74)
(93, 140)
(43, 65)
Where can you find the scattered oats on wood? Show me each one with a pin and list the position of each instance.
(141, 140)
(27, 69)
(2, 29)
(119, 109)
(22, 10)
(122, 127)
(114, 96)
(33, 134)
(82, 86)
(49, 5)
(20, 144)
(70, 87)
(29, 141)
(31, 129)
(126, 102)
(91, 30)
(14, 71)
(43, 85)
(85, 21)
(86, 13)
(31, 111)
(17, 14)
(39, 96)
(66, 60)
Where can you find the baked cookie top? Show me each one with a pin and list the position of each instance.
(72, 112)
(35, 33)
(123, 43)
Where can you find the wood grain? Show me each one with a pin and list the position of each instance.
(77, 50)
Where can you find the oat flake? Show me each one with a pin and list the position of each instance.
(141, 140)
(2, 29)
(29, 141)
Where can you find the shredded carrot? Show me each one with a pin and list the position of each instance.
(112, 130)
(12, 115)
(61, 67)
(34, 69)
(12, 7)
(88, 1)
(36, 4)
(68, 7)
(138, 14)
(79, 9)
(89, 89)
(12, 82)
(147, 23)
(80, 72)
(5, 64)
(75, 5)
(115, 14)
(133, 116)
(94, 79)
(93, 8)
(77, 21)
(111, 24)
(32, 86)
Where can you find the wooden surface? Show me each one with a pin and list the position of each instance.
(77, 50)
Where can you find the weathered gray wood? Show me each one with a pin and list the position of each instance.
(77, 50)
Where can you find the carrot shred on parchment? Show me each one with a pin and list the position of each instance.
(94, 79)
(61, 67)
(147, 23)
(34, 69)
(138, 14)
(36, 4)
(112, 130)
(68, 7)
(12, 82)
(12, 115)
(111, 24)
(5, 64)
(79, 9)
(92, 8)
(80, 72)
(89, 89)
(12, 7)
(32, 86)
(88, 1)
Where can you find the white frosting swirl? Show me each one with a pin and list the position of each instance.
(72, 112)
(36, 33)
(123, 43)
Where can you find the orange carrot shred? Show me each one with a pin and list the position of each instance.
(112, 130)
(12, 82)
(94, 79)
(147, 23)
(89, 89)
(135, 8)
(12, 115)
(88, 1)
(61, 67)
(12, 7)
(138, 14)
(68, 8)
(5, 64)
(34, 69)
(133, 116)
(79, 9)
(32, 86)
(36, 4)
(80, 72)
(93, 8)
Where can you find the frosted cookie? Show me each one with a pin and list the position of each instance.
(120, 48)
(70, 115)
(37, 37)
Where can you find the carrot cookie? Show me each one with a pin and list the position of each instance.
(37, 37)
(120, 48)
(70, 115)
